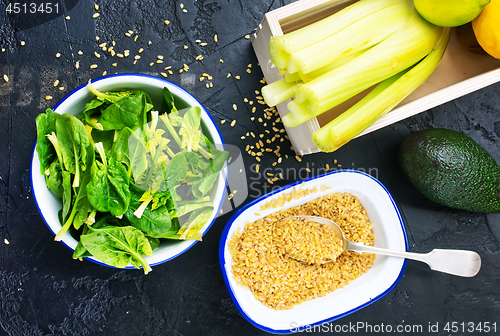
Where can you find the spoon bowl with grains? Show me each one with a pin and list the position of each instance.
(323, 241)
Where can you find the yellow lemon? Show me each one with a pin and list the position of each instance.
(487, 28)
(449, 13)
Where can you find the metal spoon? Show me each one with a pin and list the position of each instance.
(456, 262)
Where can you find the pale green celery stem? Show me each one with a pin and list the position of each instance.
(91, 218)
(278, 92)
(97, 93)
(159, 150)
(140, 210)
(154, 120)
(151, 128)
(379, 101)
(66, 225)
(164, 117)
(76, 181)
(53, 140)
(329, 67)
(359, 35)
(291, 78)
(396, 53)
(281, 47)
(100, 149)
(204, 153)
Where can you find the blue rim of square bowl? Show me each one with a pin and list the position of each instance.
(225, 233)
(81, 87)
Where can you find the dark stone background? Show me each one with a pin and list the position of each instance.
(43, 291)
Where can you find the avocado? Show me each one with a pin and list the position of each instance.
(451, 169)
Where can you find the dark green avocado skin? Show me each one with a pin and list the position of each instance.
(451, 169)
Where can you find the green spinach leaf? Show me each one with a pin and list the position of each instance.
(205, 184)
(73, 140)
(108, 188)
(129, 111)
(118, 246)
(45, 125)
(155, 223)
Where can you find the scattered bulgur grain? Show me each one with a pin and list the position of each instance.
(222, 121)
(163, 74)
(93, 66)
(257, 167)
(6, 78)
(215, 38)
(237, 77)
(61, 88)
(167, 22)
(327, 166)
(96, 54)
(58, 55)
(96, 15)
(235, 107)
(23, 43)
(56, 82)
(298, 158)
(233, 123)
(48, 97)
(68, 18)
(77, 64)
(247, 36)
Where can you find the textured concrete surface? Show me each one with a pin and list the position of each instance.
(43, 291)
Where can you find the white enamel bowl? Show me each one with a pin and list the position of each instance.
(377, 282)
(49, 204)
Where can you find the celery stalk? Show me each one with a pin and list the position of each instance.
(399, 51)
(329, 67)
(278, 92)
(382, 99)
(362, 34)
(281, 47)
(291, 78)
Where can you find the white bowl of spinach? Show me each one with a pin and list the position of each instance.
(128, 171)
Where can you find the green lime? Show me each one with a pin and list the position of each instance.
(449, 13)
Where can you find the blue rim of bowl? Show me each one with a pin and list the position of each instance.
(151, 77)
(225, 233)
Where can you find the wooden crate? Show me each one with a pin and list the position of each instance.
(463, 69)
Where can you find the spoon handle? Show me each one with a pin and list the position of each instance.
(456, 262)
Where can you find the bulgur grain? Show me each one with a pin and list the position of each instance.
(280, 282)
(306, 241)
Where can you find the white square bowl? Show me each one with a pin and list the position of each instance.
(386, 272)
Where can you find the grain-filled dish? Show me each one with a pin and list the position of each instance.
(280, 282)
(305, 240)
